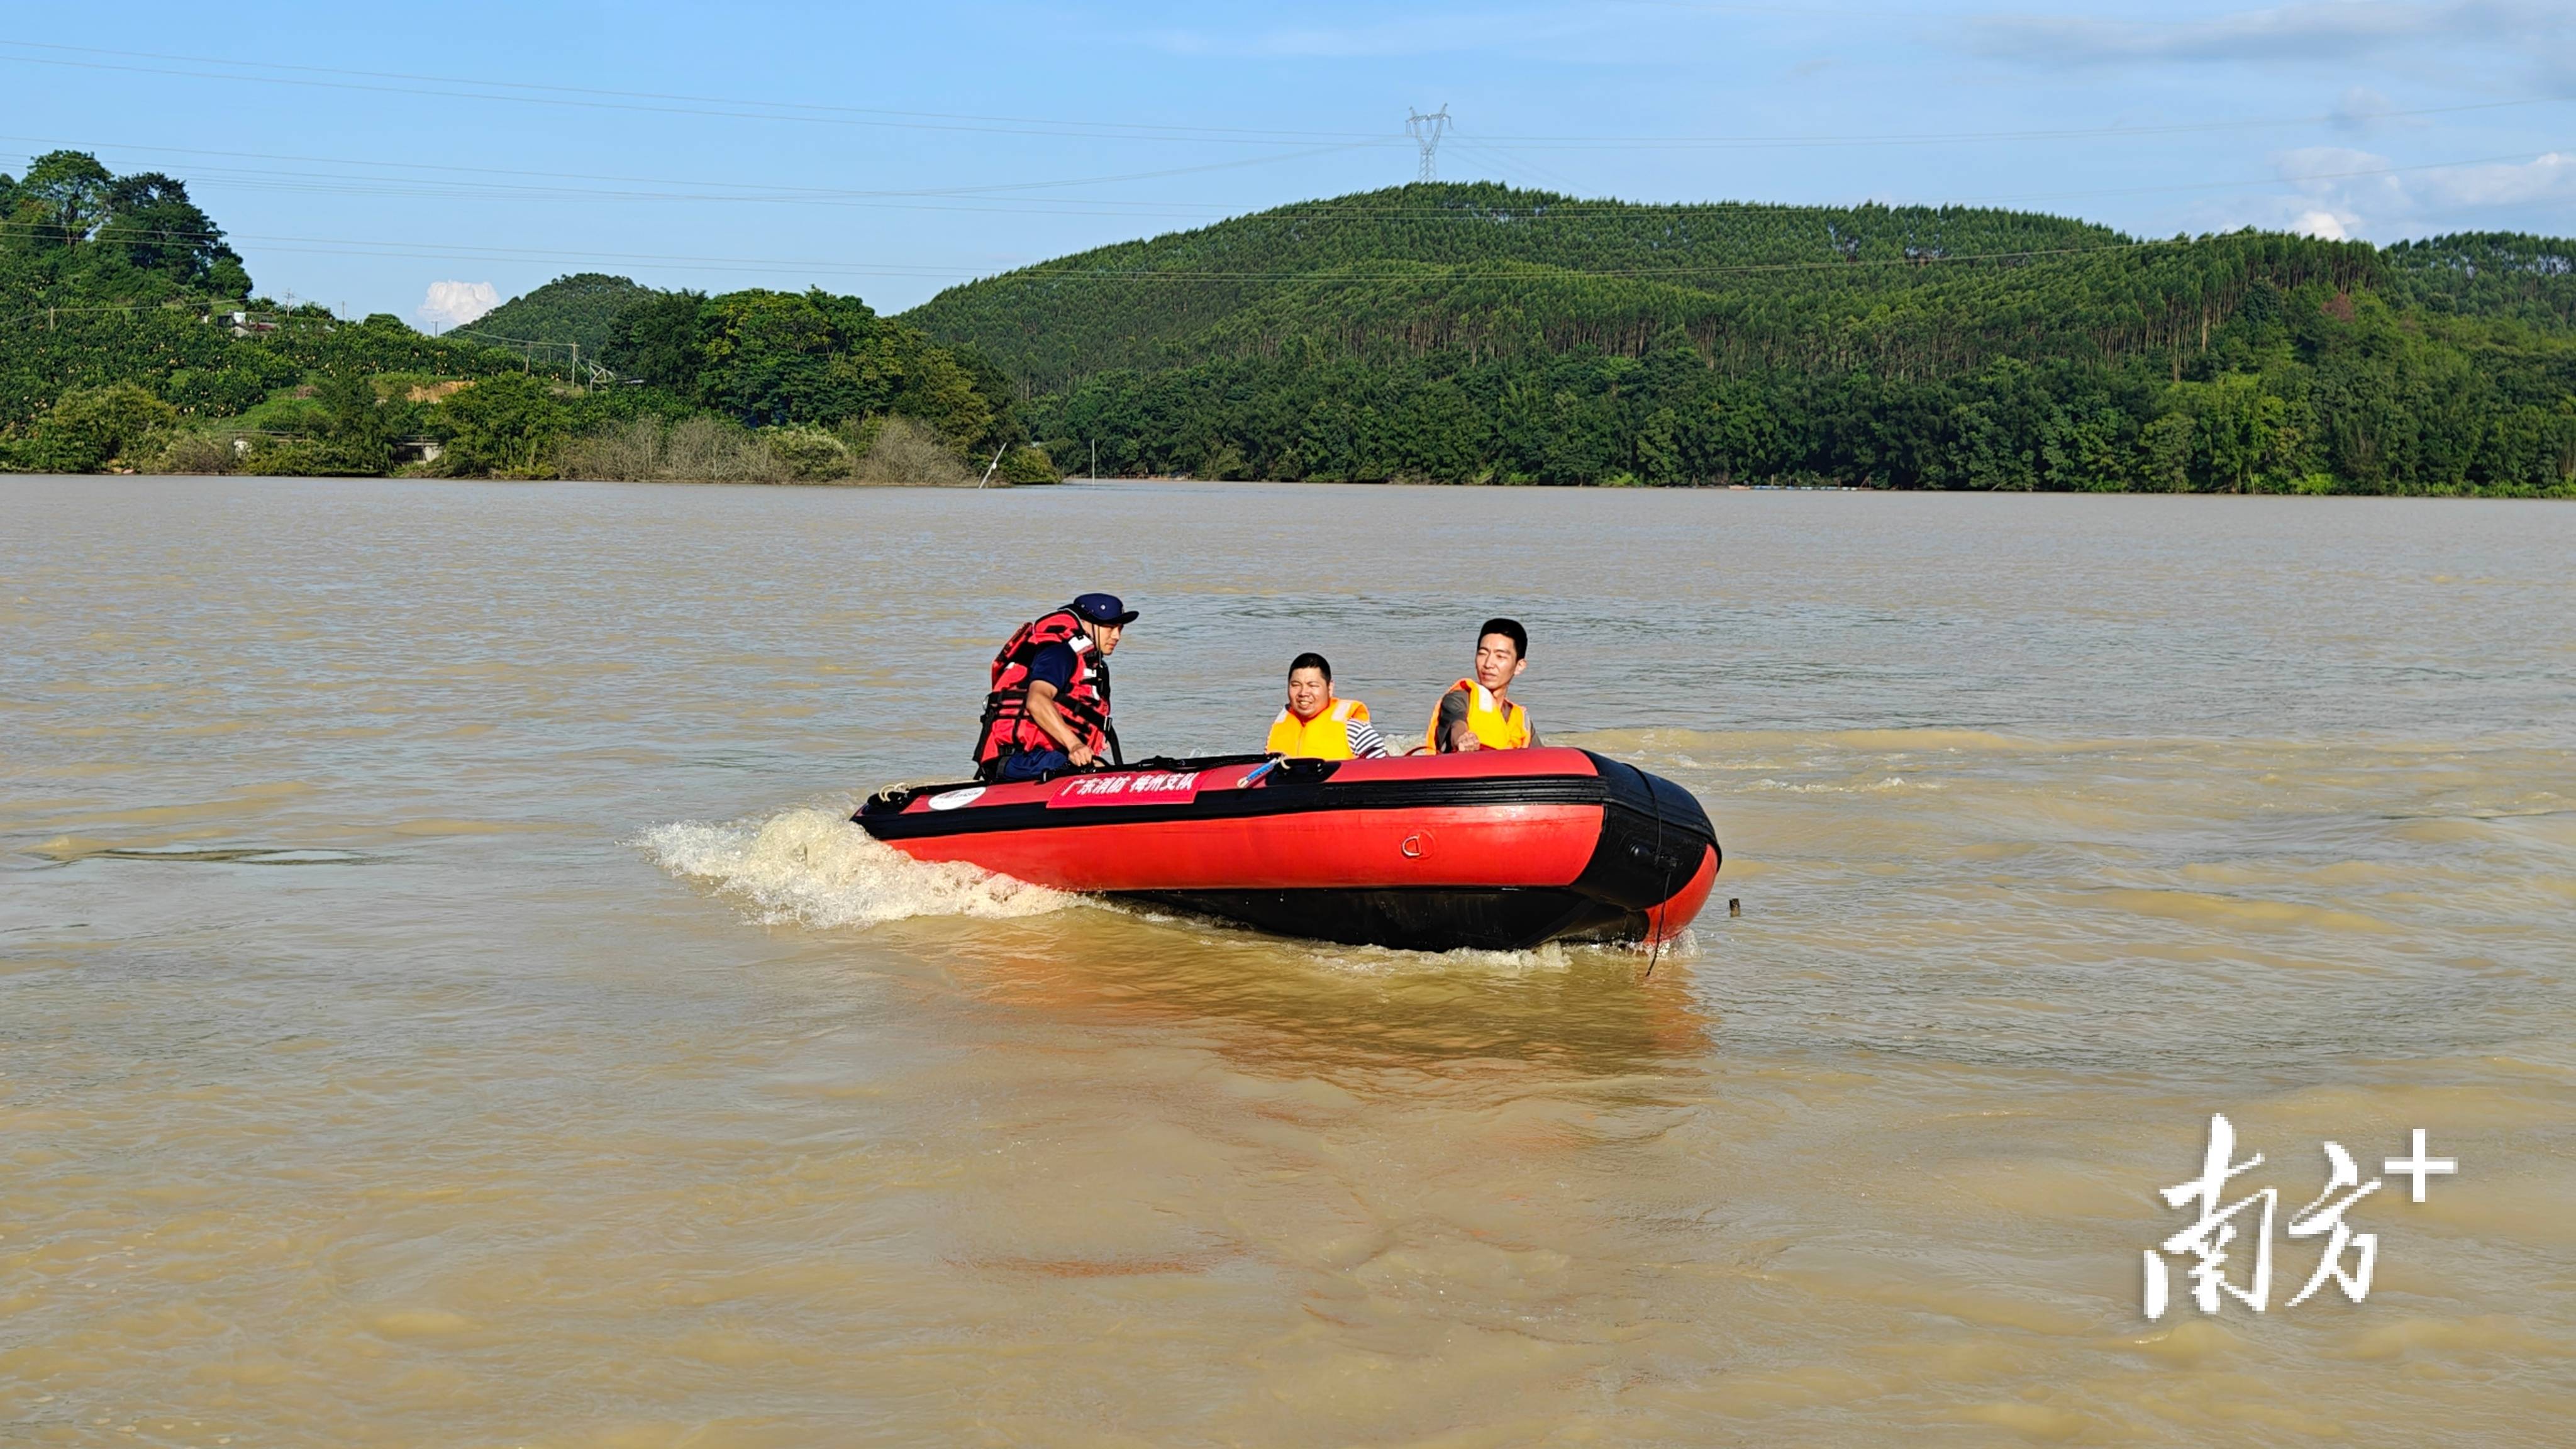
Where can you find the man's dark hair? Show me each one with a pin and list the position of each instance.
(1510, 629)
(1311, 660)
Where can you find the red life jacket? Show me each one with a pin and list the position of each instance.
(1084, 702)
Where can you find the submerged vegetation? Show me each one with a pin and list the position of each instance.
(706, 449)
(1454, 333)
(130, 339)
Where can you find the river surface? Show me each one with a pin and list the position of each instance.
(441, 1003)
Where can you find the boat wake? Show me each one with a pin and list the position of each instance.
(813, 868)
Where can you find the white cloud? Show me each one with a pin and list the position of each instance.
(2333, 192)
(2543, 179)
(2339, 193)
(453, 304)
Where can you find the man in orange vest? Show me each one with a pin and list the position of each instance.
(1318, 726)
(1478, 714)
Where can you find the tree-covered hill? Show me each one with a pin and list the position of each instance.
(2490, 274)
(129, 339)
(1147, 303)
(1479, 333)
(577, 310)
(74, 237)
(1468, 333)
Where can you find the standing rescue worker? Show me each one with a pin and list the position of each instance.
(1318, 726)
(1478, 714)
(1049, 709)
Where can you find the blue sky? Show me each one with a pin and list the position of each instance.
(363, 155)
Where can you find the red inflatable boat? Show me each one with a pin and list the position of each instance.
(1500, 849)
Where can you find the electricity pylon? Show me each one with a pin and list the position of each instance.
(1426, 132)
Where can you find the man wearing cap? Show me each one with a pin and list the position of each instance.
(1049, 706)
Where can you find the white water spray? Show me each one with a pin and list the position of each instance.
(814, 868)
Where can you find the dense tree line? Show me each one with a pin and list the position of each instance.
(1476, 333)
(2298, 392)
(775, 358)
(129, 336)
(1470, 333)
(71, 231)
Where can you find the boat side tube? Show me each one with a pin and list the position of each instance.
(1494, 850)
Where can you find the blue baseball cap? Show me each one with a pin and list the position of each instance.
(1104, 609)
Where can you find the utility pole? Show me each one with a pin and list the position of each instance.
(1426, 132)
(1095, 460)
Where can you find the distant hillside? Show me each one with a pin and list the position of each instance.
(1446, 265)
(1480, 333)
(574, 309)
(1467, 333)
(2490, 274)
(128, 340)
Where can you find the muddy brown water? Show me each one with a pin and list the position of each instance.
(441, 1004)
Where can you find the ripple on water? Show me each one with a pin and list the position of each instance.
(68, 849)
(2059, 824)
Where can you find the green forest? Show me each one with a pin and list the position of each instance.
(1476, 333)
(1466, 333)
(131, 338)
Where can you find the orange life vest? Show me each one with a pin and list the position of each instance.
(1084, 701)
(1325, 737)
(1504, 728)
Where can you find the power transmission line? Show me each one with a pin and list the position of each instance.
(1509, 161)
(365, 247)
(466, 88)
(1196, 132)
(1426, 132)
(722, 191)
(1553, 206)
